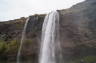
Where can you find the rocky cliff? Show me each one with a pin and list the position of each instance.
(77, 30)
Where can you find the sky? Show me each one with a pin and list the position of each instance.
(13, 9)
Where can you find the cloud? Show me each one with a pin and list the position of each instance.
(12, 9)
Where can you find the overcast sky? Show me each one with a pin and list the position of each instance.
(12, 9)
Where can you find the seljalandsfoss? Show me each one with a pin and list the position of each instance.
(57, 36)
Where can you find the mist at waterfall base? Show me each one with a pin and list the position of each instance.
(50, 50)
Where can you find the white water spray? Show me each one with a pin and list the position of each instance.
(50, 38)
(22, 40)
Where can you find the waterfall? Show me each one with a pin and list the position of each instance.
(22, 40)
(50, 39)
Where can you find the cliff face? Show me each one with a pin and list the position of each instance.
(77, 30)
(10, 36)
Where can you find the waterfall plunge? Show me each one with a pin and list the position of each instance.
(50, 39)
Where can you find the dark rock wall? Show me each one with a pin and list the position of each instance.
(78, 30)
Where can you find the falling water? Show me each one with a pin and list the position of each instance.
(22, 40)
(50, 38)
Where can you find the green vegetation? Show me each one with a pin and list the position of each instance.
(12, 46)
(2, 46)
(7, 48)
(90, 59)
(86, 59)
